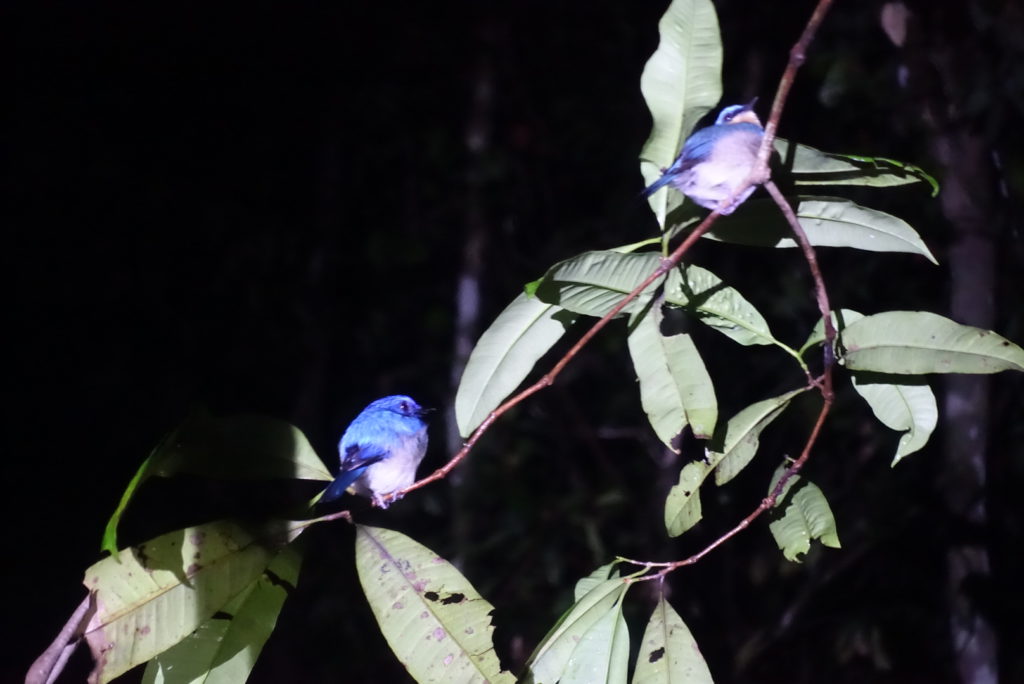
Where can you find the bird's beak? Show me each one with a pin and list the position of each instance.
(751, 104)
(425, 410)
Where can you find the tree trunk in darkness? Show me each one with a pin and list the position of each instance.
(941, 62)
(467, 294)
(966, 202)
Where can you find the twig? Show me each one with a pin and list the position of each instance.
(50, 664)
(667, 264)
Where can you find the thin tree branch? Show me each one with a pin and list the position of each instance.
(50, 664)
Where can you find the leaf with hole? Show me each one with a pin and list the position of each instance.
(434, 620)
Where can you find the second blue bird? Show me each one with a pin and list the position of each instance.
(715, 160)
(381, 450)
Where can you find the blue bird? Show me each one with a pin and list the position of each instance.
(716, 160)
(381, 450)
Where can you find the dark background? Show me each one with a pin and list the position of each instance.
(265, 208)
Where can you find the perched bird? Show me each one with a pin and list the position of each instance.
(716, 160)
(381, 450)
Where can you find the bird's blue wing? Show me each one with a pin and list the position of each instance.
(697, 147)
(358, 457)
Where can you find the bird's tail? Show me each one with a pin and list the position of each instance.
(341, 483)
(657, 185)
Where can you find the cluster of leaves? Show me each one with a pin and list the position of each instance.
(199, 603)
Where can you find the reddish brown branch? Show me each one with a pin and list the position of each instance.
(548, 378)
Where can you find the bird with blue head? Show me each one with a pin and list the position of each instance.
(381, 450)
(715, 160)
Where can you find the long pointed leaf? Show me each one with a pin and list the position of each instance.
(716, 305)
(916, 342)
(681, 83)
(505, 355)
(594, 282)
(809, 166)
(900, 404)
(675, 388)
(668, 652)
(230, 447)
(827, 221)
(435, 621)
(742, 435)
(807, 517)
(588, 640)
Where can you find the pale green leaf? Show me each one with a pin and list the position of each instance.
(595, 282)
(680, 83)
(585, 584)
(808, 166)
(675, 388)
(232, 447)
(437, 624)
(827, 221)
(900, 404)
(237, 447)
(151, 596)
(807, 517)
(224, 649)
(917, 342)
(742, 435)
(730, 451)
(717, 305)
(668, 652)
(588, 644)
(682, 505)
(505, 355)
(840, 319)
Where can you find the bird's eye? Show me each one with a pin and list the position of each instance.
(404, 406)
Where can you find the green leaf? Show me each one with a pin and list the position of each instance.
(917, 342)
(224, 649)
(715, 304)
(682, 505)
(730, 451)
(504, 356)
(840, 320)
(232, 447)
(807, 517)
(827, 221)
(239, 447)
(151, 596)
(585, 584)
(900, 403)
(742, 435)
(593, 283)
(590, 643)
(668, 652)
(675, 388)
(435, 621)
(809, 166)
(109, 541)
(681, 83)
